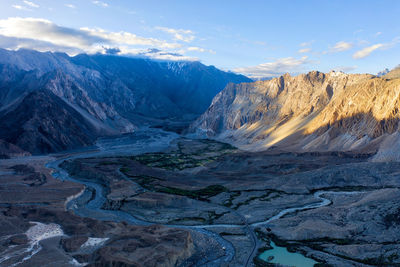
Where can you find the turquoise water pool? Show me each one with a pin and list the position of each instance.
(281, 255)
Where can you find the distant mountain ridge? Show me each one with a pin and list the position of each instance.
(393, 74)
(111, 94)
(383, 72)
(309, 112)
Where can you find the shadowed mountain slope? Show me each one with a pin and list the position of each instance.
(111, 94)
(44, 123)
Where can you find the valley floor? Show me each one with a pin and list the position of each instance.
(185, 202)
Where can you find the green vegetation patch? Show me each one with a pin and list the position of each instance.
(188, 219)
(232, 196)
(392, 219)
(200, 194)
(171, 161)
(151, 183)
(125, 170)
(145, 181)
(189, 154)
(231, 234)
(269, 195)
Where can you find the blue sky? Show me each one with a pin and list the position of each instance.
(257, 38)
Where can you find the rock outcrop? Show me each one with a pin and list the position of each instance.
(309, 112)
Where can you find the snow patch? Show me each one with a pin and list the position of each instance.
(41, 231)
(94, 242)
(35, 234)
(74, 262)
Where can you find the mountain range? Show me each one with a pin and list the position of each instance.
(51, 102)
(310, 112)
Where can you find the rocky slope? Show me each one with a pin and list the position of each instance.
(112, 94)
(393, 74)
(309, 112)
(8, 150)
(43, 122)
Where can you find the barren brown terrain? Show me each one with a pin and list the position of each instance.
(203, 184)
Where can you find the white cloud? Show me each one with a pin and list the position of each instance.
(304, 44)
(367, 51)
(172, 57)
(304, 50)
(166, 55)
(197, 49)
(45, 30)
(31, 4)
(179, 34)
(70, 6)
(42, 46)
(275, 68)
(44, 35)
(20, 7)
(100, 3)
(128, 38)
(200, 49)
(345, 68)
(341, 46)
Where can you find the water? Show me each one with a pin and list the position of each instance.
(282, 256)
(318, 195)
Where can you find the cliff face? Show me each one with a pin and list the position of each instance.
(309, 112)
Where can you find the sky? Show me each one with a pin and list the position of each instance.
(258, 38)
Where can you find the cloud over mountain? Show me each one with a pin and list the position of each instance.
(179, 34)
(44, 35)
(275, 68)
